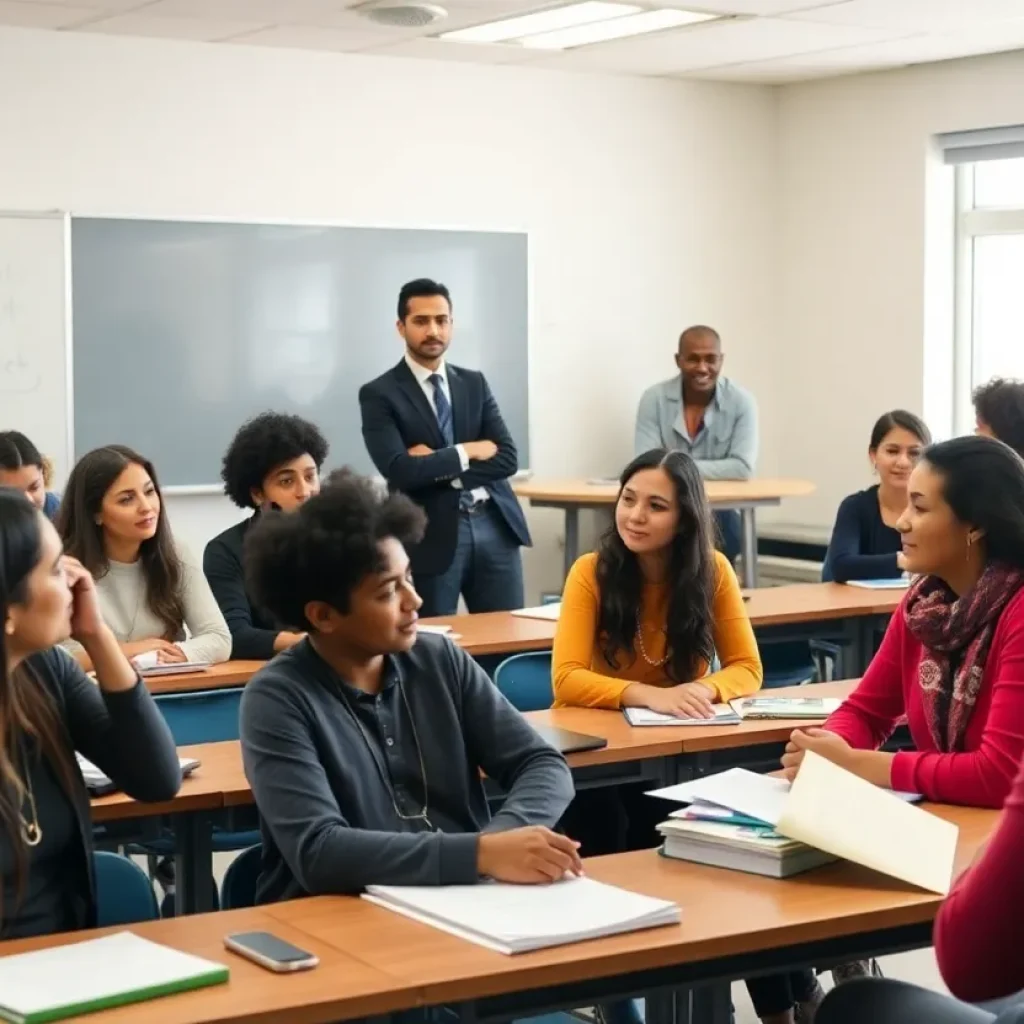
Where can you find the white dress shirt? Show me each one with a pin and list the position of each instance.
(423, 375)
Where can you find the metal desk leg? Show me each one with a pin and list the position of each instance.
(748, 547)
(572, 537)
(712, 1004)
(193, 863)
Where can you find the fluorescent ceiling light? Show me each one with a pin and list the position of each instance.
(616, 28)
(551, 20)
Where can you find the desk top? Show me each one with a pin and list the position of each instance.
(342, 987)
(725, 913)
(228, 673)
(220, 780)
(579, 492)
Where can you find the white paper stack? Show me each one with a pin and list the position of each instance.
(519, 918)
(98, 783)
(724, 715)
(899, 583)
(65, 981)
(812, 708)
(548, 612)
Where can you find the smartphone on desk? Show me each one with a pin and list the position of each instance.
(270, 952)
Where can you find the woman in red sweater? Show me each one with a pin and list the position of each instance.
(952, 660)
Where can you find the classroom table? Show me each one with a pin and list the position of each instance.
(799, 611)
(342, 987)
(226, 674)
(745, 496)
(658, 756)
(734, 925)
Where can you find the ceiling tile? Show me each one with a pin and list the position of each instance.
(197, 29)
(25, 15)
(263, 12)
(931, 16)
(760, 8)
(308, 37)
(711, 45)
(919, 49)
(91, 5)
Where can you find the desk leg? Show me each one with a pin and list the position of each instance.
(572, 538)
(672, 1007)
(193, 863)
(748, 547)
(712, 1004)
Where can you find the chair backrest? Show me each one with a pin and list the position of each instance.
(526, 680)
(239, 888)
(203, 716)
(124, 893)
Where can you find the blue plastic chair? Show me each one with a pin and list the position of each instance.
(124, 893)
(239, 888)
(525, 679)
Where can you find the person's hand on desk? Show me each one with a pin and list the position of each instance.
(527, 856)
(874, 766)
(688, 700)
(480, 451)
(165, 650)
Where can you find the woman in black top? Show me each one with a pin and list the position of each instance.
(865, 544)
(51, 709)
(273, 463)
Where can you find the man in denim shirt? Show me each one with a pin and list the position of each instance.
(705, 415)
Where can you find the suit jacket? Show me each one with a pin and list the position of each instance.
(397, 416)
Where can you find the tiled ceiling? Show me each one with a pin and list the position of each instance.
(763, 41)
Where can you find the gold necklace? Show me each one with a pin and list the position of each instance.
(643, 650)
(31, 831)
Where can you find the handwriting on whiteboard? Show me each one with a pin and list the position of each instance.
(18, 373)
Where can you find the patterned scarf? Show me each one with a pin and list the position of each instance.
(956, 634)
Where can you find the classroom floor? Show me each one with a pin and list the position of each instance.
(917, 967)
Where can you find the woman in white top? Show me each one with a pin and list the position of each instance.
(152, 593)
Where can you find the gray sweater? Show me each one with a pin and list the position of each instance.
(339, 783)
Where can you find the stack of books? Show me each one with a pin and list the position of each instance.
(761, 824)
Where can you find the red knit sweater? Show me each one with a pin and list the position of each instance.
(977, 932)
(980, 775)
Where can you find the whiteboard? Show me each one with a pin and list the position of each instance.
(34, 377)
(183, 330)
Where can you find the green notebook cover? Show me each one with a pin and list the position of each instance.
(58, 982)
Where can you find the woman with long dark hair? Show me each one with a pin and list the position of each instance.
(152, 593)
(24, 468)
(865, 543)
(952, 661)
(49, 709)
(644, 617)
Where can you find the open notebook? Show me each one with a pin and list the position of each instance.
(894, 584)
(66, 981)
(724, 715)
(785, 707)
(519, 918)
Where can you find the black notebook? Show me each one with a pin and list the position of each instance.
(567, 742)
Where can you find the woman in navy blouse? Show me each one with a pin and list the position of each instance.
(865, 544)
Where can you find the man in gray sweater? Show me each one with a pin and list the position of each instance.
(364, 744)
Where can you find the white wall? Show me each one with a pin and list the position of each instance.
(650, 204)
(866, 220)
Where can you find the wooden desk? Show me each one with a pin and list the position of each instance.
(798, 611)
(733, 925)
(746, 496)
(228, 673)
(341, 987)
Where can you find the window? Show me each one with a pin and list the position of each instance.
(989, 331)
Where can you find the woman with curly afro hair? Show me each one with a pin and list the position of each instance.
(272, 465)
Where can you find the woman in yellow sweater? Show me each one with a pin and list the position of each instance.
(643, 617)
(641, 622)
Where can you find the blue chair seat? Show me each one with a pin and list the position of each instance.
(124, 893)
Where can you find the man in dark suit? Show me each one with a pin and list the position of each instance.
(434, 431)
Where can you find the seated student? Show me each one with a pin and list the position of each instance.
(51, 709)
(643, 617)
(865, 543)
(273, 463)
(152, 594)
(952, 660)
(364, 743)
(999, 412)
(641, 621)
(24, 469)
